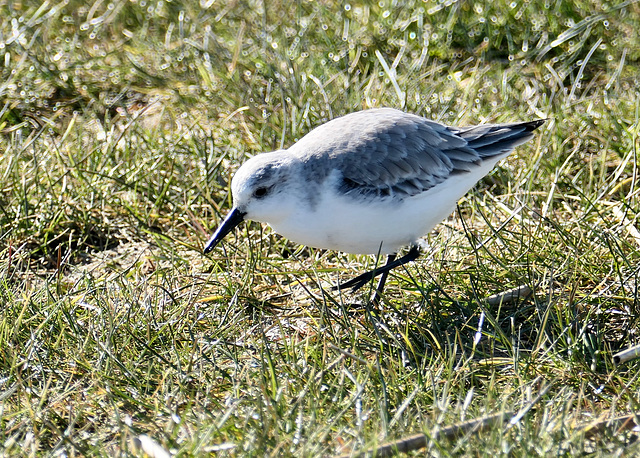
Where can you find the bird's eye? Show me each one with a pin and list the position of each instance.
(260, 192)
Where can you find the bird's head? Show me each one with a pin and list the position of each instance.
(260, 190)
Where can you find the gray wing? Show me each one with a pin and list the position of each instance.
(385, 152)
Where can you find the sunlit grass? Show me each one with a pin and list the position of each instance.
(121, 125)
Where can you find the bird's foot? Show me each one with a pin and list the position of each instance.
(362, 279)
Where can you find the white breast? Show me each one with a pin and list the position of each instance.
(371, 226)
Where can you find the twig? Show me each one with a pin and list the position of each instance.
(627, 355)
(418, 441)
(511, 295)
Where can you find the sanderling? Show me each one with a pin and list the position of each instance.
(369, 182)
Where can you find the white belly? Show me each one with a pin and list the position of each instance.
(372, 226)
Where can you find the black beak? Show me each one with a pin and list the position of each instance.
(232, 220)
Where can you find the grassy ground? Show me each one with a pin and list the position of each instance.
(121, 124)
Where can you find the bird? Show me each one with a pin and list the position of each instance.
(370, 182)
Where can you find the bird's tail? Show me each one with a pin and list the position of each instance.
(496, 139)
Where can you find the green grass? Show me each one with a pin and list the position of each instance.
(121, 124)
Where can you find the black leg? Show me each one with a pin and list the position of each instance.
(361, 280)
(383, 279)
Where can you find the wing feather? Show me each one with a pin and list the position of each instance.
(386, 152)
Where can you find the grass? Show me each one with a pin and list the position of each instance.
(121, 124)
